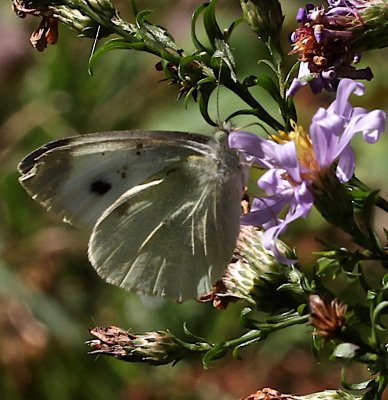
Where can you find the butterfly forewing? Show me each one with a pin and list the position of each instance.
(80, 177)
(165, 205)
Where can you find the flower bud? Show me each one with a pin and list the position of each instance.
(154, 348)
(256, 276)
(264, 17)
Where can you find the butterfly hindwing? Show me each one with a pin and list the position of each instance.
(164, 206)
(176, 251)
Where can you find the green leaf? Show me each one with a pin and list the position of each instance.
(287, 107)
(113, 44)
(233, 25)
(212, 29)
(287, 316)
(269, 64)
(328, 266)
(265, 82)
(375, 319)
(291, 73)
(208, 79)
(248, 111)
(301, 308)
(217, 352)
(248, 318)
(200, 47)
(291, 112)
(142, 16)
(205, 92)
(236, 353)
(191, 335)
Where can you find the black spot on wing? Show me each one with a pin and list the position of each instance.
(100, 187)
(122, 172)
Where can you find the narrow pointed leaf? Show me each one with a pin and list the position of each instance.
(204, 96)
(113, 44)
(200, 47)
(217, 352)
(212, 29)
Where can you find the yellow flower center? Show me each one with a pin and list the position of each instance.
(304, 148)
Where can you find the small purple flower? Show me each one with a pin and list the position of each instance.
(296, 160)
(324, 41)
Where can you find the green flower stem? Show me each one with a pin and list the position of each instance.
(375, 319)
(195, 349)
(264, 330)
(286, 106)
(255, 335)
(277, 58)
(242, 91)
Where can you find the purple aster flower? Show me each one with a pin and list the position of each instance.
(296, 161)
(329, 42)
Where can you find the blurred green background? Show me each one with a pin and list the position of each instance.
(50, 295)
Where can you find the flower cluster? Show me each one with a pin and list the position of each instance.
(297, 161)
(329, 42)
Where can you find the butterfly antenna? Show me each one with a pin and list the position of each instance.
(94, 47)
(218, 113)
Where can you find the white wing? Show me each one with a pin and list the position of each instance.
(174, 235)
(165, 205)
(78, 178)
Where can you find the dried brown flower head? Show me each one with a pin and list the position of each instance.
(220, 296)
(154, 348)
(327, 317)
(47, 32)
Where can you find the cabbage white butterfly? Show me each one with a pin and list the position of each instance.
(164, 207)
